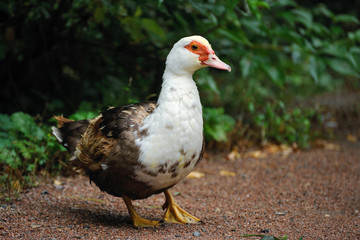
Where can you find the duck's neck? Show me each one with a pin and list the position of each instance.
(178, 104)
(177, 86)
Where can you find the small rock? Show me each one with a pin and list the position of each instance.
(177, 235)
(197, 234)
(59, 187)
(35, 225)
(45, 192)
(280, 213)
(265, 230)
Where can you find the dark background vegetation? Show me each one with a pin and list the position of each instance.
(78, 57)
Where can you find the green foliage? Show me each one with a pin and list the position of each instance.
(110, 53)
(283, 53)
(278, 124)
(85, 111)
(217, 124)
(25, 148)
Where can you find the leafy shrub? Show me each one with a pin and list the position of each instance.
(112, 52)
(25, 148)
(85, 111)
(217, 124)
(278, 124)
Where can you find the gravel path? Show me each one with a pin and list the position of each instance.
(314, 194)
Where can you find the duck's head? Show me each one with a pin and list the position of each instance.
(192, 53)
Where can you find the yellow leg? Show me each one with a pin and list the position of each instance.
(137, 220)
(174, 214)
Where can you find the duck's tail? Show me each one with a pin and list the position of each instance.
(69, 132)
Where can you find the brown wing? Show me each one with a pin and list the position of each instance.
(112, 135)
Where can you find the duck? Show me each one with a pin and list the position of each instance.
(141, 149)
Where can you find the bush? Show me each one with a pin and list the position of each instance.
(110, 53)
(25, 148)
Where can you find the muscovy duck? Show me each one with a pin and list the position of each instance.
(142, 149)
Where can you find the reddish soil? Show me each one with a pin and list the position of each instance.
(314, 194)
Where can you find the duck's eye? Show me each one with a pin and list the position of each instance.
(194, 47)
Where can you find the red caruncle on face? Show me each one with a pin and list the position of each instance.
(201, 50)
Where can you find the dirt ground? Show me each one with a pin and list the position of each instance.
(313, 193)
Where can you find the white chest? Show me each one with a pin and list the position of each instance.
(174, 141)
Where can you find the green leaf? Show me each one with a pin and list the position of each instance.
(304, 17)
(207, 82)
(138, 12)
(346, 18)
(133, 26)
(238, 37)
(245, 64)
(350, 57)
(31, 167)
(217, 124)
(99, 14)
(6, 123)
(26, 124)
(325, 11)
(155, 32)
(355, 50)
(263, 4)
(342, 67)
(274, 74)
(335, 50)
(320, 29)
(82, 114)
(313, 69)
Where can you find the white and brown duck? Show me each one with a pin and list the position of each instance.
(142, 149)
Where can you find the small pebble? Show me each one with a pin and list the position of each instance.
(280, 213)
(45, 192)
(177, 235)
(197, 234)
(59, 187)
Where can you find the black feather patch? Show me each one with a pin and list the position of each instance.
(125, 118)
